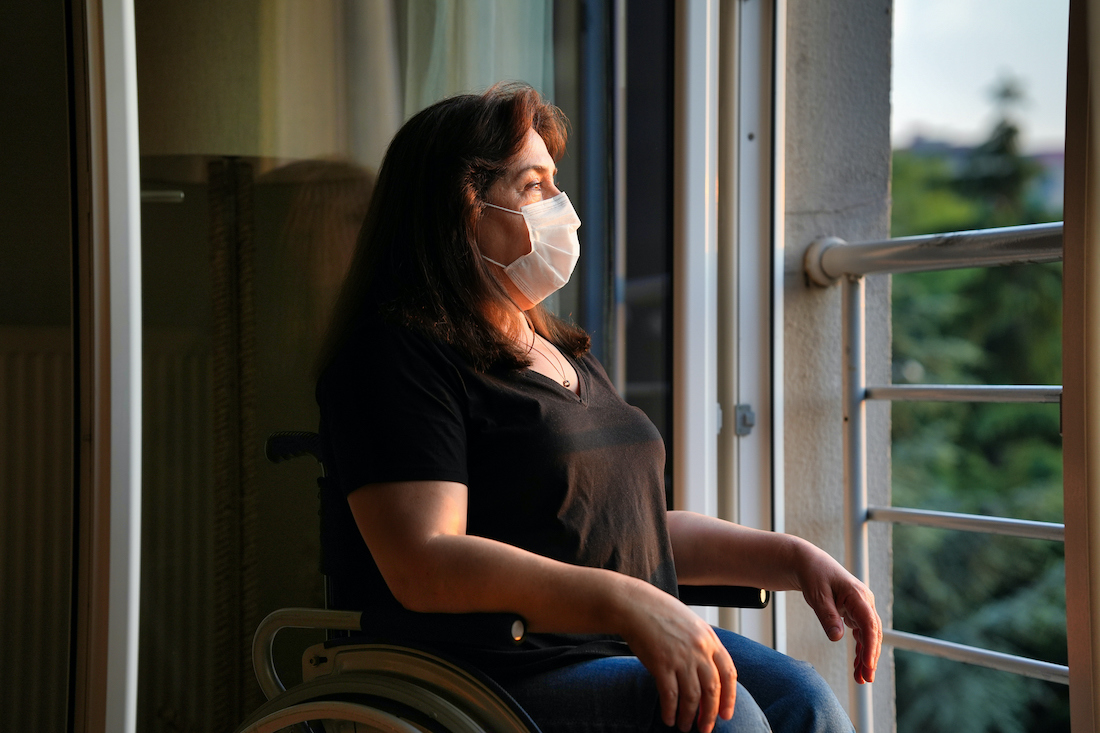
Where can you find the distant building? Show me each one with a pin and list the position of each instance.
(1048, 188)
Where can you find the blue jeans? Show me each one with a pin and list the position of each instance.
(618, 695)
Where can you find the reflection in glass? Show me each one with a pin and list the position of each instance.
(36, 371)
(271, 119)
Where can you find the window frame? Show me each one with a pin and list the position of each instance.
(727, 274)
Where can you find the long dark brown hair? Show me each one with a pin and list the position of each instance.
(416, 261)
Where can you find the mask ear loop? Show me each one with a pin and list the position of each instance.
(489, 259)
(505, 267)
(510, 211)
(513, 211)
(480, 253)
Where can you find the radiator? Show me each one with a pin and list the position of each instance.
(177, 656)
(36, 497)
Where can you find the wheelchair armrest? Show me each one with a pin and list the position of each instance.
(495, 629)
(725, 596)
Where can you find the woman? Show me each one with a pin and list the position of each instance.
(490, 465)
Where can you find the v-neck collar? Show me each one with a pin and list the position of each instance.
(582, 394)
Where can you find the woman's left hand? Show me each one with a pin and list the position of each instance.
(703, 547)
(840, 600)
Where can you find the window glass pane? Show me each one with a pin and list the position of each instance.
(648, 190)
(36, 379)
(271, 120)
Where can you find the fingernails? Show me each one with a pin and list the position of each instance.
(834, 632)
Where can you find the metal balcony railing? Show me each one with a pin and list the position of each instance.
(829, 260)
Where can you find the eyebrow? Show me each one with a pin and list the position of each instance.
(536, 167)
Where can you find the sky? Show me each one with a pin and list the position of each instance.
(949, 54)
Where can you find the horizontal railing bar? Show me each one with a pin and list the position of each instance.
(831, 258)
(973, 655)
(969, 523)
(964, 393)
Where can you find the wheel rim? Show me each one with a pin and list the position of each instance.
(376, 720)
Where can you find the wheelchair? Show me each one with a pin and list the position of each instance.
(367, 676)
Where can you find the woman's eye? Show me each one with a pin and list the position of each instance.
(537, 185)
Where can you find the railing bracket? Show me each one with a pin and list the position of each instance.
(815, 255)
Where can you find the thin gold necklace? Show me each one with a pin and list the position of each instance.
(557, 363)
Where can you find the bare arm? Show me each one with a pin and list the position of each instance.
(712, 551)
(416, 532)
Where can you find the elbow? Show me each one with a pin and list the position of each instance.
(419, 585)
(415, 597)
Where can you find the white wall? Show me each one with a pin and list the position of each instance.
(837, 183)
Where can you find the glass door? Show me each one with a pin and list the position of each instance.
(261, 128)
(36, 369)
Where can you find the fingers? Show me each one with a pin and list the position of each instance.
(718, 687)
(839, 599)
(868, 648)
(827, 614)
(713, 688)
(866, 627)
(703, 697)
(668, 692)
(728, 674)
(698, 695)
(696, 680)
(690, 698)
(863, 666)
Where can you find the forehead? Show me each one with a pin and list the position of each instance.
(533, 154)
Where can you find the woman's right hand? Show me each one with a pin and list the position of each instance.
(696, 679)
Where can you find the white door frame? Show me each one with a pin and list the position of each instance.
(109, 556)
(727, 273)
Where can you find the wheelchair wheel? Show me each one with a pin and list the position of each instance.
(331, 717)
(392, 690)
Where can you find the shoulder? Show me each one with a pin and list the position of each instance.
(377, 351)
(593, 366)
(373, 334)
(392, 408)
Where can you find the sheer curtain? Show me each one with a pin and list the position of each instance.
(457, 46)
(340, 76)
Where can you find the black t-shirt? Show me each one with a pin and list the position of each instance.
(577, 478)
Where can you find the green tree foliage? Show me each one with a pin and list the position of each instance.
(981, 326)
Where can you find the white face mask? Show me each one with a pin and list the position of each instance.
(552, 225)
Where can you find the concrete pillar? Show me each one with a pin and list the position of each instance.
(837, 183)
